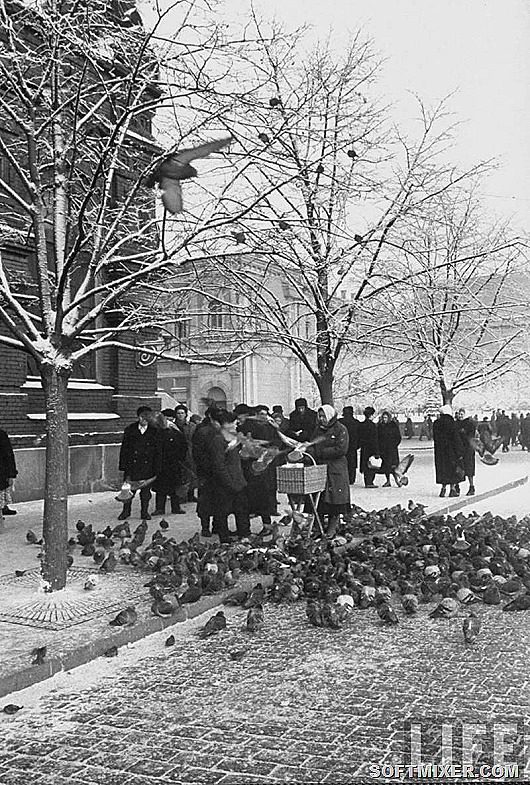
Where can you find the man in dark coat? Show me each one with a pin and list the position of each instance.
(8, 472)
(468, 432)
(504, 430)
(261, 488)
(514, 429)
(140, 459)
(226, 482)
(352, 426)
(369, 446)
(448, 452)
(389, 439)
(187, 428)
(200, 441)
(171, 479)
(525, 432)
(302, 421)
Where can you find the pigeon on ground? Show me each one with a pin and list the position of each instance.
(109, 565)
(11, 708)
(471, 627)
(112, 652)
(410, 603)
(125, 618)
(170, 641)
(255, 618)
(163, 608)
(176, 167)
(387, 614)
(446, 609)
(32, 539)
(38, 654)
(256, 597)
(519, 603)
(214, 625)
(491, 594)
(330, 616)
(314, 612)
(91, 582)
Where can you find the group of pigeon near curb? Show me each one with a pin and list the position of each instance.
(391, 560)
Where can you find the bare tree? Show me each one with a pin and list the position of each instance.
(82, 85)
(459, 318)
(340, 187)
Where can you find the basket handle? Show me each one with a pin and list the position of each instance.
(307, 455)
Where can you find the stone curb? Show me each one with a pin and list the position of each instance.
(466, 501)
(90, 651)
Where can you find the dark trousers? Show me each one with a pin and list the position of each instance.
(352, 466)
(369, 476)
(238, 505)
(160, 502)
(145, 498)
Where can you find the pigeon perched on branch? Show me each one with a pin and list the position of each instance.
(176, 167)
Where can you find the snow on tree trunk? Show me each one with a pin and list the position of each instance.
(55, 524)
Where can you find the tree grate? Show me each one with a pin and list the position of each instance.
(22, 601)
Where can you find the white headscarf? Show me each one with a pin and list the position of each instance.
(328, 410)
(446, 409)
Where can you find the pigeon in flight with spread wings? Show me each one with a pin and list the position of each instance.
(176, 167)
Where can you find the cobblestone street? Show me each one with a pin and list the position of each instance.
(303, 704)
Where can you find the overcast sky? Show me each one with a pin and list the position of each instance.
(480, 48)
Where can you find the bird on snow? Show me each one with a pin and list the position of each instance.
(519, 603)
(471, 627)
(109, 564)
(176, 167)
(410, 603)
(314, 612)
(125, 618)
(238, 654)
(256, 596)
(255, 618)
(387, 614)
(170, 641)
(32, 539)
(446, 609)
(11, 708)
(214, 625)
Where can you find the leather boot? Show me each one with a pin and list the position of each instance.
(126, 512)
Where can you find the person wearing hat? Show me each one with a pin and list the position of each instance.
(279, 417)
(140, 459)
(187, 428)
(448, 452)
(352, 426)
(225, 483)
(369, 445)
(171, 479)
(202, 459)
(468, 433)
(302, 421)
(261, 488)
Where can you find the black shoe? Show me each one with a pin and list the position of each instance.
(442, 492)
(145, 516)
(7, 511)
(386, 484)
(159, 512)
(124, 515)
(471, 491)
(453, 493)
(178, 511)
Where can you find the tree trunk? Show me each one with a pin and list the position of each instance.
(55, 524)
(447, 394)
(325, 386)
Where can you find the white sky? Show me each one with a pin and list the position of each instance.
(480, 48)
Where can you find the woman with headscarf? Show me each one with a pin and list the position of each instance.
(389, 438)
(331, 447)
(448, 452)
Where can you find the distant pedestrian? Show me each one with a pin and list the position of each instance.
(424, 430)
(514, 430)
(187, 428)
(8, 472)
(409, 428)
(429, 426)
(140, 457)
(202, 459)
(448, 452)
(369, 446)
(468, 432)
(504, 430)
(525, 432)
(352, 426)
(389, 439)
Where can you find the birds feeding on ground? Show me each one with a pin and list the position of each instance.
(176, 167)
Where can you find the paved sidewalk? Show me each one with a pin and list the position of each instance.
(84, 641)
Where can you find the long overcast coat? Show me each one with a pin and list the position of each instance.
(332, 450)
(448, 449)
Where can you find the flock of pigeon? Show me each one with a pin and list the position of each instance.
(392, 561)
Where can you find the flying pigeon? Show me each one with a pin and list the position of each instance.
(176, 167)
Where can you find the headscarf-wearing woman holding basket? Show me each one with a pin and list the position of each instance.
(330, 446)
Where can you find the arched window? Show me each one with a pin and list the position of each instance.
(217, 395)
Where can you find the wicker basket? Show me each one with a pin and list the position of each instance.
(301, 479)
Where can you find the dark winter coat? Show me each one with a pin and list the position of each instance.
(201, 453)
(352, 426)
(173, 447)
(467, 429)
(388, 438)
(188, 429)
(332, 450)
(261, 488)
(368, 442)
(140, 454)
(222, 477)
(302, 425)
(448, 450)
(8, 469)
(504, 427)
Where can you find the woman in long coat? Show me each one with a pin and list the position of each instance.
(369, 445)
(331, 448)
(468, 432)
(170, 481)
(261, 488)
(448, 452)
(389, 439)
